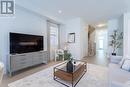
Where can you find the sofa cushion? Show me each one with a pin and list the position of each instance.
(122, 60)
(126, 65)
(117, 75)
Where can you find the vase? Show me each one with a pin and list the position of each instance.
(114, 54)
(69, 67)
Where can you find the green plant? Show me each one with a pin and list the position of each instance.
(116, 40)
(67, 55)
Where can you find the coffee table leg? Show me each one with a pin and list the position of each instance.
(72, 80)
(54, 78)
(72, 83)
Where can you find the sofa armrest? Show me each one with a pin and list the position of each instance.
(115, 59)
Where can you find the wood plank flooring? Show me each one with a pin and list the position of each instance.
(99, 59)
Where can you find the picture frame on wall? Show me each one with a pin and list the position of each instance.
(71, 38)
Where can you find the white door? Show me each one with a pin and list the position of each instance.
(101, 44)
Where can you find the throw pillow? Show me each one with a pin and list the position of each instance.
(126, 65)
(121, 62)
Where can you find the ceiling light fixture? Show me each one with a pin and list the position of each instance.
(60, 11)
(101, 25)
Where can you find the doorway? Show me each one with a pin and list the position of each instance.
(101, 44)
(101, 40)
(97, 46)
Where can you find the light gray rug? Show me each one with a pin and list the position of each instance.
(96, 76)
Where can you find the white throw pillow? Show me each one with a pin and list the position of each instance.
(121, 62)
(126, 65)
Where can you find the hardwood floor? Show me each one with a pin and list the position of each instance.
(99, 59)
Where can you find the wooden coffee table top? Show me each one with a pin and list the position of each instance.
(78, 64)
(61, 71)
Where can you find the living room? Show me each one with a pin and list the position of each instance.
(37, 37)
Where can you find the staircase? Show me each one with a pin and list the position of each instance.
(91, 41)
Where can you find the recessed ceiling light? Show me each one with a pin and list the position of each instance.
(101, 25)
(60, 11)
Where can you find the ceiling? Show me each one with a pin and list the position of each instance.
(92, 11)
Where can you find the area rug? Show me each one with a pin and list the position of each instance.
(96, 76)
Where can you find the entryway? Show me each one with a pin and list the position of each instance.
(97, 46)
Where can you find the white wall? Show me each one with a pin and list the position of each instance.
(112, 25)
(79, 48)
(84, 39)
(74, 26)
(120, 28)
(62, 36)
(126, 41)
(123, 24)
(22, 22)
(115, 24)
